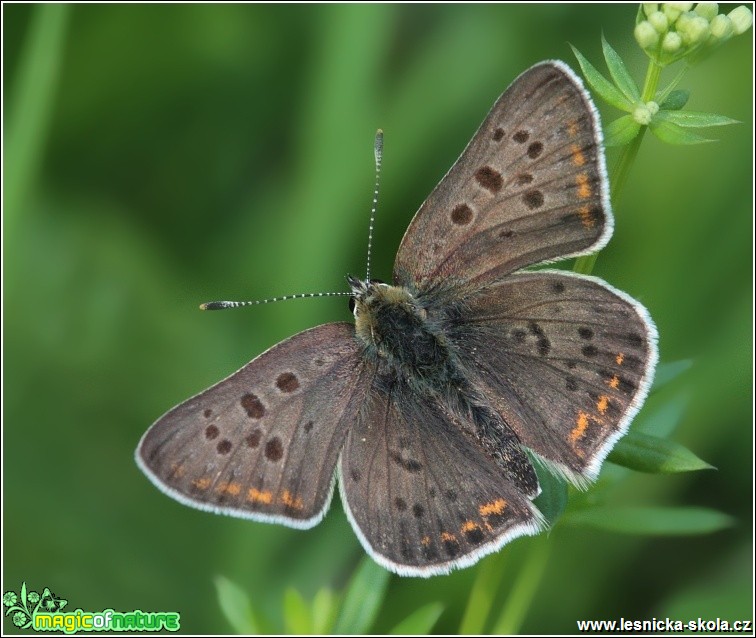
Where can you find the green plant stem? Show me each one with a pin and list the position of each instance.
(584, 265)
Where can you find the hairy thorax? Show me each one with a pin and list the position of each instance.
(396, 328)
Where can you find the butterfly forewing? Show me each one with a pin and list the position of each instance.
(264, 442)
(566, 360)
(422, 496)
(530, 187)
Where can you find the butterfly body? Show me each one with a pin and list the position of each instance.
(432, 405)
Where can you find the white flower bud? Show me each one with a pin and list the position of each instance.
(659, 21)
(642, 115)
(671, 13)
(707, 10)
(652, 107)
(698, 30)
(721, 27)
(682, 7)
(672, 42)
(646, 35)
(683, 22)
(650, 7)
(742, 19)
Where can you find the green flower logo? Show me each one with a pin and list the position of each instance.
(20, 619)
(22, 606)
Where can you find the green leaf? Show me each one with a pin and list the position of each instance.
(694, 119)
(601, 85)
(236, 607)
(297, 616)
(619, 72)
(675, 100)
(651, 454)
(363, 598)
(622, 131)
(524, 589)
(668, 372)
(553, 497)
(651, 521)
(490, 573)
(663, 420)
(324, 608)
(674, 134)
(420, 621)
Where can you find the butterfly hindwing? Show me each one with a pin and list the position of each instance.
(263, 443)
(423, 497)
(530, 187)
(566, 360)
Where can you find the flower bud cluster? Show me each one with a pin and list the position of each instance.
(669, 31)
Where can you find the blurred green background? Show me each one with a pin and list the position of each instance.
(160, 156)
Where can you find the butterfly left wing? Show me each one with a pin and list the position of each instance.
(423, 497)
(263, 443)
(530, 187)
(566, 360)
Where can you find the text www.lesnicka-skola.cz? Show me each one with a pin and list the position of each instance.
(666, 624)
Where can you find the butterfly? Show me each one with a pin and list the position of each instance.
(432, 407)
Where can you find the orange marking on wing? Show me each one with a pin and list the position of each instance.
(425, 540)
(613, 383)
(494, 507)
(178, 470)
(447, 537)
(586, 217)
(469, 526)
(202, 483)
(603, 404)
(578, 159)
(228, 488)
(572, 128)
(620, 358)
(256, 496)
(584, 188)
(580, 427)
(291, 501)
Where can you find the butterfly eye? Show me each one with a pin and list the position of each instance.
(351, 305)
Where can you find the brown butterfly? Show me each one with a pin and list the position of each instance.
(432, 406)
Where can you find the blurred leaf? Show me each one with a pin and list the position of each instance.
(601, 85)
(490, 572)
(420, 621)
(664, 419)
(363, 598)
(668, 372)
(651, 454)
(651, 521)
(31, 102)
(619, 72)
(674, 134)
(621, 131)
(675, 100)
(324, 608)
(297, 617)
(695, 119)
(524, 588)
(236, 607)
(553, 497)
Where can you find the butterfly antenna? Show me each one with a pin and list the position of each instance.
(378, 150)
(222, 305)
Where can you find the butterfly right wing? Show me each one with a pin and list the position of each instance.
(263, 443)
(530, 187)
(424, 497)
